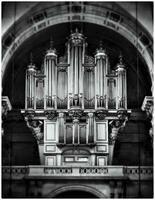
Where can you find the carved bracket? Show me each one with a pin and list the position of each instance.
(101, 114)
(148, 108)
(75, 113)
(36, 127)
(50, 114)
(116, 125)
(29, 114)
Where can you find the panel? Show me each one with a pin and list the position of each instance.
(102, 148)
(101, 161)
(69, 159)
(69, 134)
(50, 148)
(50, 160)
(82, 133)
(50, 131)
(82, 159)
(101, 132)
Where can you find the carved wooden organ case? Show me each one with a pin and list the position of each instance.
(73, 97)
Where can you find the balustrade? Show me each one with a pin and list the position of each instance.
(16, 172)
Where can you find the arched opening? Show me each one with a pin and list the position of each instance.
(75, 194)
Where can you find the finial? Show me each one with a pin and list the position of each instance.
(100, 45)
(31, 58)
(120, 58)
(51, 43)
(76, 30)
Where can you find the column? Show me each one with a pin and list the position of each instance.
(90, 127)
(100, 78)
(51, 78)
(61, 129)
(121, 85)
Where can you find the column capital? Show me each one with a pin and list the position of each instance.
(61, 115)
(75, 120)
(90, 114)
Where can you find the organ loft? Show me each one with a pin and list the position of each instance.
(76, 104)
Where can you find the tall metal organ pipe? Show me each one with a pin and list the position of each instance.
(30, 87)
(121, 85)
(100, 78)
(76, 51)
(50, 79)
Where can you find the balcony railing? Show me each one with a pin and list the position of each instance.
(120, 172)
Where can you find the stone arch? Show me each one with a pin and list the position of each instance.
(84, 188)
(97, 16)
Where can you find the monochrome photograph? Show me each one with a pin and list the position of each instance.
(77, 99)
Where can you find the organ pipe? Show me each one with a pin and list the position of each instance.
(50, 79)
(76, 49)
(30, 87)
(100, 78)
(121, 85)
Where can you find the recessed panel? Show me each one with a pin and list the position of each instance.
(101, 161)
(101, 132)
(50, 160)
(50, 148)
(102, 148)
(50, 132)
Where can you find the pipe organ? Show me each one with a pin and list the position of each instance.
(73, 95)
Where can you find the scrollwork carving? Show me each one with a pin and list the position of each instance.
(101, 114)
(50, 114)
